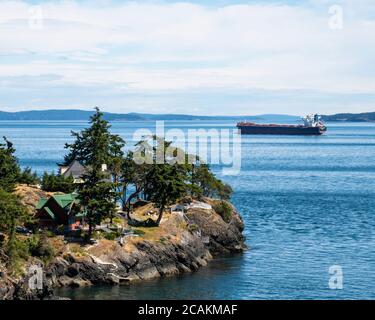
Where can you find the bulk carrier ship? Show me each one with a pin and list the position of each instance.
(313, 125)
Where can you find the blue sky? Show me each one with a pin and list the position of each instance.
(196, 57)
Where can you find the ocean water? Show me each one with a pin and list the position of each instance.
(308, 203)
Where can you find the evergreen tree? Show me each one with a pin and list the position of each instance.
(12, 213)
(167, 182)
(28, 177)
(57, 183)
(131, 179)
(115, 165)
(95, 147)
(167, 185)
(206, 184)
(9, 168)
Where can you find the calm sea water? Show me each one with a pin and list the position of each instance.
(307, 202)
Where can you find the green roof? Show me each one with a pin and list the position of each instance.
(41, 203)
(65, 200)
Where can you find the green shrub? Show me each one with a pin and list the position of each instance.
(138, 232)
(20, 256)
(49, 234)
(21, 249)
(162, 239)
(32, 242)
(96, 235)
(193, 227)
(112, 235)
(224, 210)
(117, 220)
(40, 247)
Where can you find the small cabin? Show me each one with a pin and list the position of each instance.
(60, 209)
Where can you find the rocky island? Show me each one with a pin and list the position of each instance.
(110, 216)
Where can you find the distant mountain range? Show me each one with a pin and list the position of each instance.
(84, 115)
(351, 117)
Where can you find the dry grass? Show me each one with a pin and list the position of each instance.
(169, 229)
(149, 234)
(141, 213)
(57, 244)
(76, 249)
(30, 196)
(104, 246)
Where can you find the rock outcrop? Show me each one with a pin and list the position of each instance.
(224, 237)
(187, 242)
(184, 242)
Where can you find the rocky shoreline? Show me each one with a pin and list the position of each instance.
(179, 248)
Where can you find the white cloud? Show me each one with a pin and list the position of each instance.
(148, 47)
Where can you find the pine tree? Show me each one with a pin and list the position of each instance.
(28, 177)
(166, 182)
(9, 168)
(57, 183)
(12, 212)
(206, 184)
(131, 174)
(95, 147)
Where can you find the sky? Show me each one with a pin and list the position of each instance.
(194, 57)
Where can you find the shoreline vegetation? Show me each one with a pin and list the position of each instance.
(123, 220)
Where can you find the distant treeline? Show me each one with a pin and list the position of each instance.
(351, 117)
(83, 115)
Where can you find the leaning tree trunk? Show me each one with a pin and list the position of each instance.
(161, 211)
(131, 197)
(123, 199)
(11, 242)
(90, 230)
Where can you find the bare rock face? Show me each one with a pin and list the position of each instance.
(223, 237)
(146, 260)
(19, 289)
(6, 287)
(7, 284)
(205, 235)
